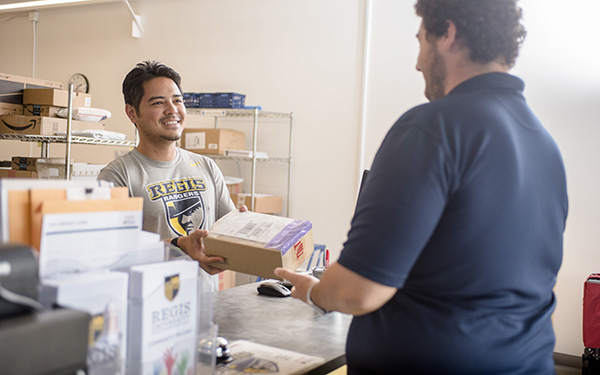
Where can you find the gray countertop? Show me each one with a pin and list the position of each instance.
(286, 323)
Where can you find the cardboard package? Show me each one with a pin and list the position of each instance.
(36, 125)
(263, 203)
(212, 141)
(9, 109)
(256, 243)
(40, 110)
(12, 86)
(55, 97)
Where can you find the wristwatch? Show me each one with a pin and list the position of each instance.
(174, 241)
(310, 302)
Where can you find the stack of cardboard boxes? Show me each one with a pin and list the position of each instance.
(212, 141)
(28, 106)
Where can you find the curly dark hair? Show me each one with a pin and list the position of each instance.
(133, 84)
(491, 29)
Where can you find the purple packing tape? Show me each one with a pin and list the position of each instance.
(289, 235)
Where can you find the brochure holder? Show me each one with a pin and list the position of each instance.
(207, 331)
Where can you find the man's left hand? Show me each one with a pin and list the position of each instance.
(193, 245)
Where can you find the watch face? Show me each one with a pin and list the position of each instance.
(80, 83)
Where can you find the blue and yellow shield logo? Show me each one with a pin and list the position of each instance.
(96, 328)
(171, 286)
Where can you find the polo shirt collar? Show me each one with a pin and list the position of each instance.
(489, 80)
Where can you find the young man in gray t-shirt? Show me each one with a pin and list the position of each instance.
(184, 193)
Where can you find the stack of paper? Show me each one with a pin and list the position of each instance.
(252, 358)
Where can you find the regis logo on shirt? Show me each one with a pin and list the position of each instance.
(182, 202)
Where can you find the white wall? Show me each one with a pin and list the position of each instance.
(560, 64)
(307, 57)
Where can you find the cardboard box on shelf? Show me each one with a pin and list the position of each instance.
(49, 169)
(38, 125)
(11, 173)
(212, 141)
(234, 184)
(29, 163)
(226, 279)
(55, 97)
(12, 86)
(9, 109)
(263, 203)
(256, 243)
(40, 110)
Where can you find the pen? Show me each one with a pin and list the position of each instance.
(326, 258)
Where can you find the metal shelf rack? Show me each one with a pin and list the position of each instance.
(255, 114)
(69, 139)
(63, 139)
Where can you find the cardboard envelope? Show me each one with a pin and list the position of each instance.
(43, 201)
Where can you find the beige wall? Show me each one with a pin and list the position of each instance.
(307, 57)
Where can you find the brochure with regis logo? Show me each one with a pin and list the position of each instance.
(163, 306)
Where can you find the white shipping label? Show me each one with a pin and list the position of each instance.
(250, 226)
(196, 140)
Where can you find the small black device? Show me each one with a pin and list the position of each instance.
(18, 280)
(273, 288)
(223, 351)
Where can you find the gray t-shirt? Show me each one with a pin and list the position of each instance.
(180, 195)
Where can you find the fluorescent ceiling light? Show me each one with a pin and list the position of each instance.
(37, 4)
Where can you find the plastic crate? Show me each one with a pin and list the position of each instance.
(190, 100)
(198, 100)
(229, 100)
(213, 100)
(206, 100)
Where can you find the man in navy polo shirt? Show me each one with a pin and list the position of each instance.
(457, 236)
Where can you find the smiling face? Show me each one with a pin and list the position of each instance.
(161, 114)
(432, 65)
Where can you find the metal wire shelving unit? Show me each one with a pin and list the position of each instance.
(254, 114)
(68, 138)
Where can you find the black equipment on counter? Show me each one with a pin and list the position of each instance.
(18, 280)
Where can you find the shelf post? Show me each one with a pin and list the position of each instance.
(289, 180)
(69, 123)
(253, 177)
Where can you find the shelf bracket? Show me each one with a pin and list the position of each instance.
(136, 24)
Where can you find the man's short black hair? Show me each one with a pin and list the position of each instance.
(133, 84)
(491, 29)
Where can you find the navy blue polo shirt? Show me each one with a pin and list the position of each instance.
(463, 211)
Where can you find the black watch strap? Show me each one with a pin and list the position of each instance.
(174, 241)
